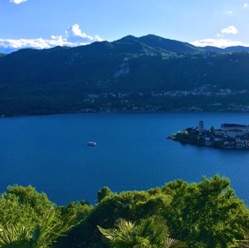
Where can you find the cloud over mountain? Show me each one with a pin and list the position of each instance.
(221, 43)
(73, 37)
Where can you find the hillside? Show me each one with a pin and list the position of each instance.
(149, 73)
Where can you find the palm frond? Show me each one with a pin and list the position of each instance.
(10, 233)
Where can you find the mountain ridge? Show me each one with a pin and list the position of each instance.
(146, 73)
(151, 37)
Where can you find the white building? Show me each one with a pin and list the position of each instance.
(234, 130)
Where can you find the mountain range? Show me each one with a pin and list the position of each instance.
(148, 73)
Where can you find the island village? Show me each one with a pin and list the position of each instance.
(228, 136)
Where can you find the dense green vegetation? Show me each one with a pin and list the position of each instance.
(179, 214)
(29, 219)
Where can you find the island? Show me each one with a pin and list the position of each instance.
(228, 136)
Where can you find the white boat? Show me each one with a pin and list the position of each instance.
(91, 143)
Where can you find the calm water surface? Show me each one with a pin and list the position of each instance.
(132, 152)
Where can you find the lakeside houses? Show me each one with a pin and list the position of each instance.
(164, 101)
(228, 136)
(205, 90)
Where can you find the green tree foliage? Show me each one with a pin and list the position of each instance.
(104, 192)
(203, 215)
(14, 235)
(29, 219)
(23, 205)
(181, 135)
(134, 206)
(212, 129)
(75, 212)
(152, 232)
(43, 236)
(208, 214)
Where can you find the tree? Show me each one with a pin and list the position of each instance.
(128, 205)
(208, 214)
(212, 129)
(43, 236)
(29, 219)
(23, 205)
(104, 192)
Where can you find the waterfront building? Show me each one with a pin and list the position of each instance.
(235, 130)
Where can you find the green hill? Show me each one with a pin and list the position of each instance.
(146, 73)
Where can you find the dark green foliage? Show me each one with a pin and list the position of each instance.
(207, 214)
(43, 236)
(152, 232)
(132, 206)
(23, 205)
(185, 137)
(104, 192)
(29, 219)
(202, 215)
(212, 130)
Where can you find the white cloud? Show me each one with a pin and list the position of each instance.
(227, 31)
(221, 43)
(230, 30)
(17, 1)
(29, 43)
(231, 13)
(73, 37)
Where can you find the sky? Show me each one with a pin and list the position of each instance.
(48, 23)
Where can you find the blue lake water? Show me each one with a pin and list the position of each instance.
(132, 153)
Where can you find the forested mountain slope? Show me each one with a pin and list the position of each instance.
(146, 73)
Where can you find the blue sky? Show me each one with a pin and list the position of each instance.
(47, 23)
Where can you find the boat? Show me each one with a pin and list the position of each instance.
(91, 143)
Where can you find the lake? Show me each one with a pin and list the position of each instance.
(132, 153)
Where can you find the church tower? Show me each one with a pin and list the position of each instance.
(201, 127)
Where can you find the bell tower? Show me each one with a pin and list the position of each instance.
(201, 127)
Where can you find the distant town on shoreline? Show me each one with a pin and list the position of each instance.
(228, 136)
